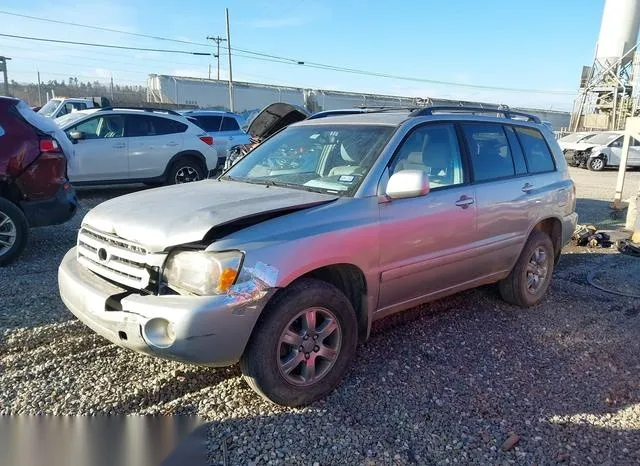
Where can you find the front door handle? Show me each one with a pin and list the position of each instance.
(527, 187)
(172, 144)
(464, 201)
(119, 145)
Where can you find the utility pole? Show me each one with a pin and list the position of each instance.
(217, 40)
(226, 10)
(39, 91)
(3, 66)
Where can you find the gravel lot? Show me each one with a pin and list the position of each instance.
(451, 385)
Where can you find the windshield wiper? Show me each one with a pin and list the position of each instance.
(282, 184)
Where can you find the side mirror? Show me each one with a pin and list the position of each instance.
(407, 183)
(75, 136)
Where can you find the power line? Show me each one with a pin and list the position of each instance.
(99, 28)
(122, 47)
(278, 59)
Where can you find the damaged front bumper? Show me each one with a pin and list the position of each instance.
(204, 330)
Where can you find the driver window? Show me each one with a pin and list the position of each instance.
(433, 149)
(111, 126)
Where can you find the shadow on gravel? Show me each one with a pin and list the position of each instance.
(600, 214)
(181, 384)
(462, 378)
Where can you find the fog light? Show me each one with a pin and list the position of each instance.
(159, 333)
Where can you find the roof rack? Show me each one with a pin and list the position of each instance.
(508, 113)
(145, 109)
(383, 108)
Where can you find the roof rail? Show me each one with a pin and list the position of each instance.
(145, 109)
(508, 113)
(389, 107)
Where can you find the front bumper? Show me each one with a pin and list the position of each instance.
(210, 330)
(54, 211)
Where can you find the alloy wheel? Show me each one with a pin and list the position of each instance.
(309, 346)
(187, 174)
(537, 270)
(8, 233)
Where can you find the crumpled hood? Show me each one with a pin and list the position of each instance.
(173, 215)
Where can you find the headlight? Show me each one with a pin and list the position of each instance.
(202, 273)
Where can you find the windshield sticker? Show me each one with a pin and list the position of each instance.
(346, 178)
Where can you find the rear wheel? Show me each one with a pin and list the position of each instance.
(530, 277)
(596, 164)
(14, 232)
(186, 170)
(303, 345)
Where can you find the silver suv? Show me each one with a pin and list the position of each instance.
(285, 260)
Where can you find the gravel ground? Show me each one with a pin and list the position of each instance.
(456, 384)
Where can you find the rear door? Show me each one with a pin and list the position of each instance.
(427, 242)
(231, 133)
(504, 195)
(153, 141)
(101, 154)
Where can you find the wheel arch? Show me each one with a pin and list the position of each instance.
(186, 154)
(349, 279)
(552, 226)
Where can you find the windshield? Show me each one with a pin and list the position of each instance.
(49, 107)
(602, 139)
(328, 158)
(69, 118)
(575, 137)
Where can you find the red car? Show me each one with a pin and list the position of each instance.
(34, 189)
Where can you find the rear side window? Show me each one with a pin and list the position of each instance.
(209, 123)
(491, 156)
(536, 151)
(230, 124)
(167, 126)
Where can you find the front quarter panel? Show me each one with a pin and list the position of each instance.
(341, 232)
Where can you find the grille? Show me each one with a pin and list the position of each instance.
(114, 258)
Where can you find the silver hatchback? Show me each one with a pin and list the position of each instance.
(284, 261)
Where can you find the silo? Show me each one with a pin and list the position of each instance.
(618, 31)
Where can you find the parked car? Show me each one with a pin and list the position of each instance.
(223, 127)
(604, 150)
(284, 261)
(34, 189)
(134, 145)
(60, 106)
(271, 119)
(571, 141)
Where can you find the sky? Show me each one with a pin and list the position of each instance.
(529, 46)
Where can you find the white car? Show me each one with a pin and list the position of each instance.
(573, 141)
(134, 145)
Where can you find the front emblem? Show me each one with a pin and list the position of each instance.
(103, 255)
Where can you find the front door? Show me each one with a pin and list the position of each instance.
(101, 154)
(426, 242)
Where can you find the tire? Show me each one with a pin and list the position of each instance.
(14, 232)
(187, 169)
(596, 164)
(514, 289)
(263, 362)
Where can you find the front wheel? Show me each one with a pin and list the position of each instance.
(303, 345)
(596, 164)
(530, 277)
(14, 232)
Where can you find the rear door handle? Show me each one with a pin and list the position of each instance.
(119, 145)
(527, 187)
(464, 201)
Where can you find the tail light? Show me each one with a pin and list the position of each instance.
(49, 146)
(207, 140)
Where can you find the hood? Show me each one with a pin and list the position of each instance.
(581, 145)
(275, 117)
(173, 215)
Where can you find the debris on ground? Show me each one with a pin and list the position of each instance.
(588, 235)
(628, 247)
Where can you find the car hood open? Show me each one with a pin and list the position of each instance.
(173, 215)
(274, 117)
